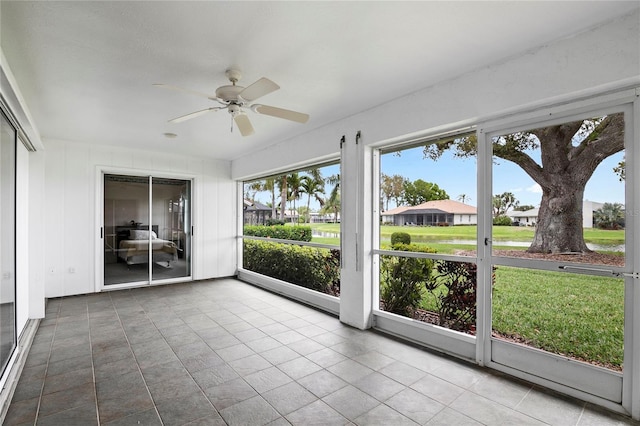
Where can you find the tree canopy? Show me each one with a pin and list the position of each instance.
(569, 154)
(419, 191)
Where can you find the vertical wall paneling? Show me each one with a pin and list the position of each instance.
(73, 211)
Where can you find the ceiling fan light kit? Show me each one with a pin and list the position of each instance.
(236, 99)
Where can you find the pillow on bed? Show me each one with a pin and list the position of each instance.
(137, 234)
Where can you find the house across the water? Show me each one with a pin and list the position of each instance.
(530, 217)
(433, 213)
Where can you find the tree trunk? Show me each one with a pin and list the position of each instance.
(563, 174)
(283, 198)
(273, 202)
(559, 228)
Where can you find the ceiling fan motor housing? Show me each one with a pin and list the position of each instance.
(229, 93)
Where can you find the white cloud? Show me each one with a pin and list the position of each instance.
(535, 188)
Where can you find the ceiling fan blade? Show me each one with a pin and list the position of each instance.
(244, 125)
(281, 113)
(258, 89)
(180, 89)
(193, 115)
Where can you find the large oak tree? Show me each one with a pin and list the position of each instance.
(569, 154)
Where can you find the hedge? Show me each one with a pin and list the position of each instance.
(309, 267)
(295, 233)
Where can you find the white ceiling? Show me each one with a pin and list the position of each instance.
(86, 68)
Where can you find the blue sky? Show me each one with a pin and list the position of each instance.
(458, 176)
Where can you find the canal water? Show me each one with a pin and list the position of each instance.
(435, 240)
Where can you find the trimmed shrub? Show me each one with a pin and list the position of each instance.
(400, 238)
(295, 233)
(271, 222)
(502, 220)
(309, 267)
(402, 279)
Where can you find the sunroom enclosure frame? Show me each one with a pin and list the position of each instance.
(358, 305)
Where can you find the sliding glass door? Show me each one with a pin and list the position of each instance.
(562, 267)
(7, 240)
(147, 229)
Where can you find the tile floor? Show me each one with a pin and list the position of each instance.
(224, 352)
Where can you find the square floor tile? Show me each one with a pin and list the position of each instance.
(448, 417)
(214, 376)
(402, 373)
(374, 360)
(84, 415)
(316, 414)
(438, 389)
(299, 367)
(351, 402)
(181, 410)
(326, 357)
(230, 393)
(234, 352)
(289, 397)
(384, 415)
(414, 405)
(147, 418)
(267, 379)
(350, 371)
(254, 411)
(322, 383)
(499, 389)
(279, 355)
(550, 407)
(379, 386)
(488, 412)
(123, 405)
(65, 399)
(250, 364)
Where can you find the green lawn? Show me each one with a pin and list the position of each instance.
(427, 234)
(579, 316)
(576, 315)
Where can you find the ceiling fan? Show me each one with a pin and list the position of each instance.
(236, 99)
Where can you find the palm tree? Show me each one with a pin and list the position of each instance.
(332, 204)
(313, 187)
(251, 189)
(609, 216)
(270, 185)
(281, 182)
(294, 182)
(463, 197)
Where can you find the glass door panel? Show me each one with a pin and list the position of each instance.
(7, 241)
(126, 229)
(171, 223)
(558, 251)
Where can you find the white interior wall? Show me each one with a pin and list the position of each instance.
(71, 200)
(36, 252)
(606, 56)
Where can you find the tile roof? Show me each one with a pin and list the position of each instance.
(447, 206)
